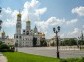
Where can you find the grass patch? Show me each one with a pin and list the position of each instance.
(72, 60)
(23, 57)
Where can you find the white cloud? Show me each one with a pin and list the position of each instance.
(40, 11)
(9, 23)
(51, 35)
(74, 33)
(55, 21)
(76, 30)
(31, 4)
(71, 21)
(8, 10)
(52, 22)
(29, 10)
(62, 35)
(8, 17)
(78, 10)
(34, 3)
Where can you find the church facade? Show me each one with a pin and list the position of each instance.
(26, 37)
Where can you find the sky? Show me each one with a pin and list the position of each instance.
(45, 14)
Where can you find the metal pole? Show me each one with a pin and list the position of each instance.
(57, 40)
(57, 45)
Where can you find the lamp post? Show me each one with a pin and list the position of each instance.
(56, 32)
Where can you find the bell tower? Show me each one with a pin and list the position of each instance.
(28, 25)
(18, 24)
(17, 36)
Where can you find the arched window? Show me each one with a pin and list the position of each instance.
(27, 33)
(17, 41)
(23, 30)
(20, 37)
(17, 36)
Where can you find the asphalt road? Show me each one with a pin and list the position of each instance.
(51, 51)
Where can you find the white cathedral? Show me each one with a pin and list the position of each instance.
(25, 38)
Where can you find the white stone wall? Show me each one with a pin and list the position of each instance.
(27, 40)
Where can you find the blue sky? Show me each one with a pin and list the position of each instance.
(69, 14)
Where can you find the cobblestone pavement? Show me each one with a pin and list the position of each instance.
(51, 51)
(2, 58)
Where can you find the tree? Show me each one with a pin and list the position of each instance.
(69, 42)
(65, 42)
(81, 42)
(4, 46)
(43, 42)
(52, 44)
(72, 41)
(34, 41)
(1, 42)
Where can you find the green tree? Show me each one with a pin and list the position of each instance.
(52, 44)
(72, 41)
(81, 42)
(4, 46)
(69, 42)
(43, 42)
(65, 42)
(1, 42)
(34, 42)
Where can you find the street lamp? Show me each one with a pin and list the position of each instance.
(56, 31)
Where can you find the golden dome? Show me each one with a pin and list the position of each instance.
(28, 21)
(19, 15)
(39, 33)
(43, 34)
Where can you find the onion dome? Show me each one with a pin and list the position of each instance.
(28, 21)
(19, 15)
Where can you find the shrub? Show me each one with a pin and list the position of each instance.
(6, 48)
(82, 59)
(1, 42)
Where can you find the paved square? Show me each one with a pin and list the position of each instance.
(51, 52)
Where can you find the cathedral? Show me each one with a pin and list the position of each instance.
(26, 37)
